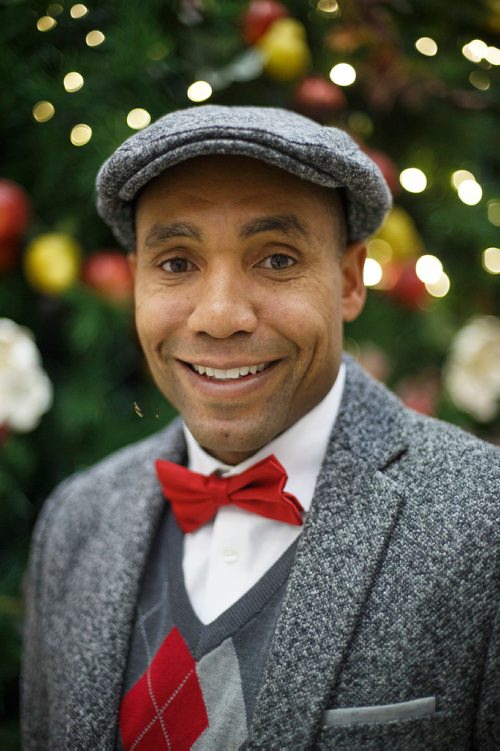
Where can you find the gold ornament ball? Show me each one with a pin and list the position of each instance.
(285, 51)
(52, 262)
(400, 233)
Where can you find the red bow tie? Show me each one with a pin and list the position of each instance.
(196, 498)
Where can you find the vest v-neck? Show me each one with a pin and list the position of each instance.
(202, 638)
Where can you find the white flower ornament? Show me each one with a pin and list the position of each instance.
(25, 390)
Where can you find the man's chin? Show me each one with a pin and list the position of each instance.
(229, 445)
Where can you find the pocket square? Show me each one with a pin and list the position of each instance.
(381, 713)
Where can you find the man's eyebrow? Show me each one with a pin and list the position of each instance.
(159, 233)
(288, 224)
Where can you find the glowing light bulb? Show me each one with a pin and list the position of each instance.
(80, 134)
(199, 91)
(491, 260)
(413, 180)
(94, 38)
(492, 56)
(426, 46)
(429, 269)
(43, 111)
(46, 23)
(459, 176)
(78, 11)
(372, 272)
(470, 192)
(494, 213)
(440, 288)
(343, 74)
(138, 118)
(73, 82)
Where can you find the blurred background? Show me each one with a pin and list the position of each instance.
(416, 82)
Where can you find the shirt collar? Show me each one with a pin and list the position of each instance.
(300, 449)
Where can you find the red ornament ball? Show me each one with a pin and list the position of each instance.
(9, 253)
(14, 210)
(259, 16)
(318, 98)
(108, 273)
(387, 168)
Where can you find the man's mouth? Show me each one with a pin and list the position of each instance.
(219, 374)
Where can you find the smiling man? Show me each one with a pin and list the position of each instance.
(298, 561)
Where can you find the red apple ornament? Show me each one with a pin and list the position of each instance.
(108, 273)
(14, 210)
(259, 16)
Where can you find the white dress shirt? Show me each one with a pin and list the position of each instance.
(223, 559)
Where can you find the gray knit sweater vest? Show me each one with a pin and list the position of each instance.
(190, 685)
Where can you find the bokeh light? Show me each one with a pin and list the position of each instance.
(459, 176)
(470, 192)
(429, 269)
(94, 38)
(138, 118)
(43, 111)
(78, 11)
(413, 180)
(73, 82)
(440, 288)
(80, 134)
(199, 91)
(46, 23)
(491, 260)
(372, 272)
(426, 46)
(494, 213)
(343, 74)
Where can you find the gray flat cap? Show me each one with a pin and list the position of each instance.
(322, 155)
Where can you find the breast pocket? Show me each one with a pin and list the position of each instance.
(407, 726)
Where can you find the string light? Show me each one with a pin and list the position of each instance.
(94, 38)
(426, 46)
(480, 80)
(46, 23)
(199, 91)
(73, 82)
(80, 134)
(343, 74)
(413, 180)
(138, 118)
(328, 8)
(372, 272)
(475, 50)
(429, 269)
(78, 11)
(494, 213)
(439, 288)
(491, 260)
(470, 192)
(492, 56)
(43, 111)
(459, 176)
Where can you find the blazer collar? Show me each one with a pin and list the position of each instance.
(353, 513)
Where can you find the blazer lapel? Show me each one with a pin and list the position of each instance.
(354, 510)
(103, 617)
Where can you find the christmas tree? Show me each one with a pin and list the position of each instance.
(416, 85)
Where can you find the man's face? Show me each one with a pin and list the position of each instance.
(241, 287)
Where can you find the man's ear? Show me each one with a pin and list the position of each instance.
(353, 289)
(132, 263)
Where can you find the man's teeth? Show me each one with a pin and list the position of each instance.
(231, 373)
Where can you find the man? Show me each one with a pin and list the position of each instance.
(340, 594)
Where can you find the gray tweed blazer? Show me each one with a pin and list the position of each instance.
(387, 637)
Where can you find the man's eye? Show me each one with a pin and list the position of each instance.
(177, 265)
(278, 261)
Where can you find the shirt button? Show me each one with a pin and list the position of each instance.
(230, 555)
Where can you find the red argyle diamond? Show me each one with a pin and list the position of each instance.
(164, 709)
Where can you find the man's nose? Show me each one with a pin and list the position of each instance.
(223, 306)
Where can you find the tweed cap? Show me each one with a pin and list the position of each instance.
(323, 155)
